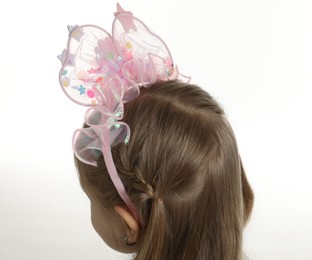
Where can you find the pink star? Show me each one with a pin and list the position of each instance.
(125, 18)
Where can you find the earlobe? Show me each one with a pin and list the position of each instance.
(132, 226)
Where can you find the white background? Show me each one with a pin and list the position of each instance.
(255, 57)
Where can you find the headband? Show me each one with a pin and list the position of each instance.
(102, 72)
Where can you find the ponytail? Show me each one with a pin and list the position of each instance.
(155, 245)
(154, 233)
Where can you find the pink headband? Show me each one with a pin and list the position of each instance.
(103, 72)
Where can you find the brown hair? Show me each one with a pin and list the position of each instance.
(183, 172)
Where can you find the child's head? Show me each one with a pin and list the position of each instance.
(182, 171)
(176, 189)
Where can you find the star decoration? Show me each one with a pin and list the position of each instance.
(126, 19)
(75, 32)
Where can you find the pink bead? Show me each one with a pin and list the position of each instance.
(90, 94)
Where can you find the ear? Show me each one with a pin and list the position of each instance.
(132, 226)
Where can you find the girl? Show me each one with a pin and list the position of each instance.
(175, 188)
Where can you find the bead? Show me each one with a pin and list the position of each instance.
(90, 93)
(82, 90)
(128, 45)
(65, 81)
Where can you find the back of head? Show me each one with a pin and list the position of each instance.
(182, 170)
